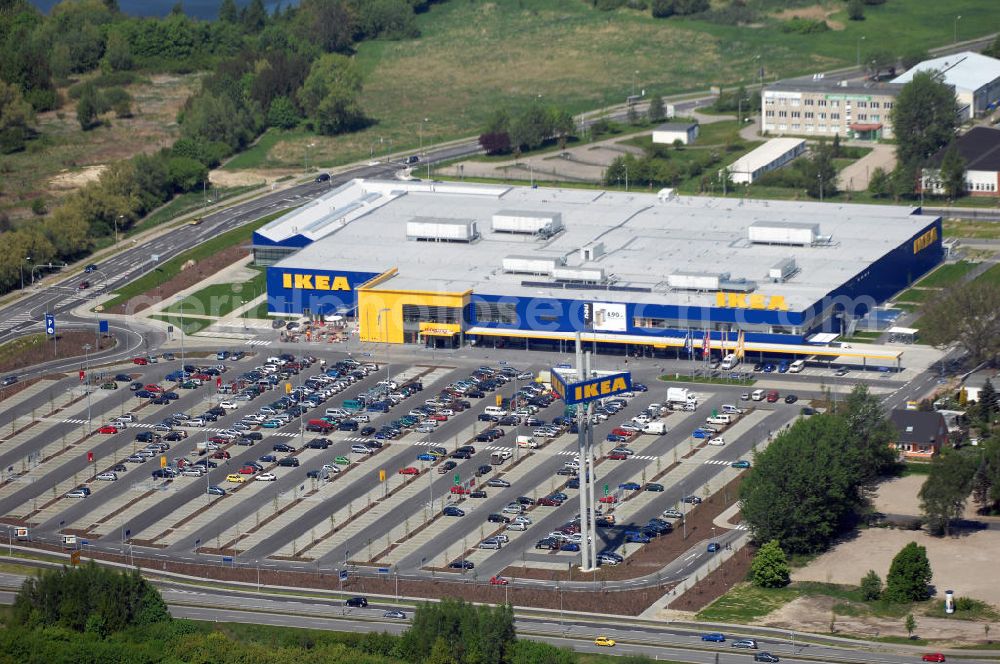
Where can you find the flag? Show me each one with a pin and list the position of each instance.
(706, 347)
(740, 345)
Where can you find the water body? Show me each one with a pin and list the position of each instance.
(202, 9)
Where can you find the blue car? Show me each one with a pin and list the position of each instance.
(272, 424)
(216, 491)
(701, 433)
(768, 368)
(425, 456)
(713, 547)
(573, 483)
(714, 637)
(614, 438)
(145, 394)
(451, 510)
(636, 536)
(629, 486)
(268, 458)
(569, 546)
(639, 387)
(558, 495)
(783, 366)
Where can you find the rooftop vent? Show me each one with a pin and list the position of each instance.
(590, 275)
(433, 229)
(782, 270)
(696, 281)
(783, 232)
(527, 223)
(531, 264)
(591, 252)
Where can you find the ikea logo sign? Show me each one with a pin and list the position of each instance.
(322, 282)
(594, 389)
(925, 240)
(750, 301)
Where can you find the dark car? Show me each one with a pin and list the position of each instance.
(323, 177)
(319, 443)
(485, 469)
(357, 602)
(289, 462)
(714, 637)
(216, 491)
(765, 657)
(462, 564)
(451, 510)
(547, 543)
(497, 518)
(283, 447)
(478, 494)
(653, 486)
(123, 378)
(691, 500)
(791, 398)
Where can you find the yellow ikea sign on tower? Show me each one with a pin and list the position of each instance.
(596, 390)
(315, 282)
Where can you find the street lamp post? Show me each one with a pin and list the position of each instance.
(860, 39)
(957, 19)
(421, 134)
(26, 259)
(86, 374)
(635, 76)
(120, 217)
(379, 320)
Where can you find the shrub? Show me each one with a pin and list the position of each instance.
(871, 586)
(803, 26)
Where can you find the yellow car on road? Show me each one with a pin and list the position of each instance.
(236, 478)
(604, 641)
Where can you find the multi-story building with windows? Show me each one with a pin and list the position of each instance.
(819, 107)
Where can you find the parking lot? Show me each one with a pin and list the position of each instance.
(382, 478)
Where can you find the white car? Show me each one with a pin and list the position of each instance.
(521, 518)
(229, 405)
(192, 472)
(266, 477)
(331, 467)
(108, 476)
(717, 441)
(77, 493)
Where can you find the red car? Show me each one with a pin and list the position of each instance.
(498, 581)
(153, 387)
(459, 490)
(933, 657)
(608, 499)
(140, 361)
(108, 428)
(437, 417)
(549, 502)
(623, 432)
(247, 470)
(618, 456)
(221, 440)
(409, 470)
(221, 454)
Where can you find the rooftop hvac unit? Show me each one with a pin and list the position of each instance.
(591, 252)
(587, 274)
(783, 232)
(441, 230)
(782, 270)
(697, 281)
(740, 285)
(526, 222)
(531, 264)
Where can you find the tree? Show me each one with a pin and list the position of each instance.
(769, 568)
(986, 484)
(879, 184)
(186, 174)
(910, 625)
(326, 23)
(254, 16)
(496, 142)
(562, 125)
(855, 10)
(871, 586)
(909, 575)
(283, 114)
(87, 108)
(820, 173)
(987, 402)
(662, 8)
(993, 50)
(870, 433)
(656, 112)
(330, 95)
(967, 314)
(804, 488)
(530, 127)
(925, 113)
(228, 13)
(947, 487)
(913, 57)
(118, 53)
(952, 172)
(16, 119)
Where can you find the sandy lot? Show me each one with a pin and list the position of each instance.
(960, 563)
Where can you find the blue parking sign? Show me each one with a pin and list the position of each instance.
(102, 326)
(50, 324)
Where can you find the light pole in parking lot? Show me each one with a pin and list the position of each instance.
(378, 321)
(86, 375)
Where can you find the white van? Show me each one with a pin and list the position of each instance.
(797, 366)
(719, 419)
(757, 395)
(729, 361)
(495, 410)
(729, 409)
(528, 442)
(655, 428)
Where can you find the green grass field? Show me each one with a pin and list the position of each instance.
(991, 276)
(169, 269)
(220, 299)
(946, 275)
(188, 325)
(475, 57)
(979, 230)
(257, 155)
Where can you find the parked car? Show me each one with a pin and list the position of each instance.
(714, 637)
(768, 657)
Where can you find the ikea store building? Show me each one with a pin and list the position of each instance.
(448, 264)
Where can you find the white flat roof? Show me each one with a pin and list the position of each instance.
(966, 70)
(645, 240)
(765, 154)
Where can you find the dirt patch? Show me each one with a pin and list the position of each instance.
(960, 563)
(717, 583)
(184, 279)
(69, 180)
(649, 558)
(36, 349)
(813, 13)
(242, 178)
